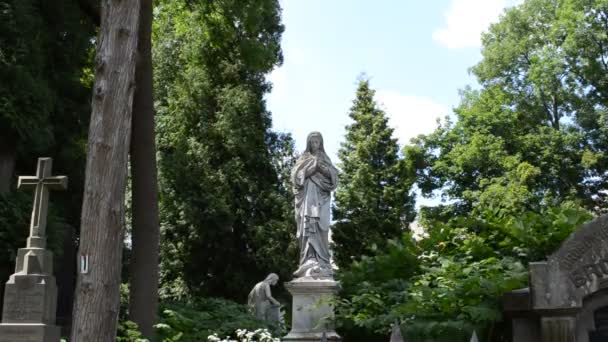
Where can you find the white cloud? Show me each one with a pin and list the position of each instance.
(467, 19)
(410, 115)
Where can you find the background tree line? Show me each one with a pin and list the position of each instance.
(518, 165)
(237, 206)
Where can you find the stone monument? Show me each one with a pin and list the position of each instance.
(396, 335)
(567, 300)
(314, 178)
(30, 295)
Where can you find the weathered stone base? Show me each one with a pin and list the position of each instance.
(30, 299)
(29, 332)
(558, 329)
(311, 337)
(312, 313)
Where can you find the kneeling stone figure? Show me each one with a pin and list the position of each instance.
(261, 303)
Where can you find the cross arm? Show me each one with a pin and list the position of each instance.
(53, 183)
(57, 182)
(27, 182)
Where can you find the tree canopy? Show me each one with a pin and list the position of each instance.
(373, 202)
(45, 90)
(225, 212)
(518, 166)
(531, 136)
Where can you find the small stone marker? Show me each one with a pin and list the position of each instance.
(396, 335)
(30, 295)
(474, 337)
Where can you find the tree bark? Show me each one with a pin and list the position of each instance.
(143, 303)
(97, 300)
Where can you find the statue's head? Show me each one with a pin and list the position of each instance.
(314, 143)
(272, 279)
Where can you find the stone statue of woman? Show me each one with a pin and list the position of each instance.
(261, 302)
(314, 178)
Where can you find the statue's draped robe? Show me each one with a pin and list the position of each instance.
(312, 206)
(259, 302)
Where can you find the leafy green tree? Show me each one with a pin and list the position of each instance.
(372, 203)
(451, 282)
(226, 215)
(208, 316)
(519, 166)
(586, 46)
(539, 116)
(44, 106)
(369, 287)
(538, 119)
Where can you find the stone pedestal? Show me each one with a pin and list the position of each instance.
(30, 299)
(31, 332)
(558, 329)
(312, 312)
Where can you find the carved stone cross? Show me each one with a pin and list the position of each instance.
(41, 183)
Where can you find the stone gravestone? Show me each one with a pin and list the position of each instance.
(396, 335)
(562, 286)
(30, 295)
(568, 296)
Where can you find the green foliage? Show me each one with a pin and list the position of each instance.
(370, 285)
(451, 282)
(208, 316)
(225, 206)
(129, 332)
(44, 111)
(43, 104)
(452, 294)
(529, 236)
(14, 220)
(532, 136)
(372, 200)
(519, 166)
(193, 321)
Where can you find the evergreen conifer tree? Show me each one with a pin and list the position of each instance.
(226, 217)
(373, 202)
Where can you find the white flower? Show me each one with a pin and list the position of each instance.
(260, 335)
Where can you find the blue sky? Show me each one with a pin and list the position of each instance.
(416, 53)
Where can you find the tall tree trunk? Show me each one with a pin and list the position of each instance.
(143, 303)
(7, 164)
(97, 292)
